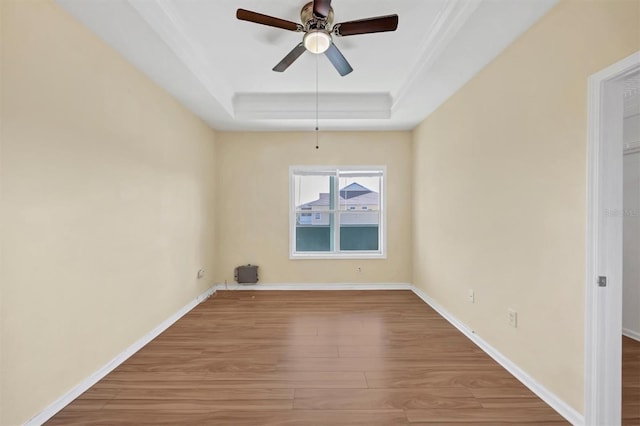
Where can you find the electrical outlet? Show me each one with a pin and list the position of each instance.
(513, 318)
(471, 296)
(200, 273)
(359, 269)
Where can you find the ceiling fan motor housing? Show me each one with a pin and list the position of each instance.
(312, 22)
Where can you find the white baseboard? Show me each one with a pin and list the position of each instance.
(565, 410)
(315, 286)
(631, 334)
(83, 386)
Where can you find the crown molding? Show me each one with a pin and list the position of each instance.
(450, 20)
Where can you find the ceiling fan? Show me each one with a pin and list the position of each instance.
(317, 18)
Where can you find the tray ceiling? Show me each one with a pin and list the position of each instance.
(220, 68)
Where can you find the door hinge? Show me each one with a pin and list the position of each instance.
(602, 281)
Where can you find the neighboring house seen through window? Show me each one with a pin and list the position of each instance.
(337, 212)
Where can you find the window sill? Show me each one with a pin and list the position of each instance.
(334, 256)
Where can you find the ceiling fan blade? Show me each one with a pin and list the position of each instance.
(366, 26)
(338, 60)
(290, 58)
(321, 8)
(259, 18)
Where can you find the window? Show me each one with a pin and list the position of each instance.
(337, 212)
(305, 218)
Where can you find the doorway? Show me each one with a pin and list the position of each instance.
(631, 252)
(604, 240)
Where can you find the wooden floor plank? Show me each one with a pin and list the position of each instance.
(482, 415)
(453, 362)
(196, 405)
(438, 377)
(201, 363)
(217, 394)
(369, 399)
(511, 402)
(111, 418)
(310, 418)
(309, 358)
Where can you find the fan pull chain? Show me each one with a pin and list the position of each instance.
(317, 103)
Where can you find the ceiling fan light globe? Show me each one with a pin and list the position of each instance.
(317, 41)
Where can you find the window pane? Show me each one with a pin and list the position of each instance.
(359, 230)
(312, 192)
(314, 220)
(360, 192)
(313, 233)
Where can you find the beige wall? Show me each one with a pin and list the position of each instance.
(500, 184)
(107, 189)
(253, 199)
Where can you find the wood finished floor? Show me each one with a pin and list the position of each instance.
(630, 381)
(309, 358)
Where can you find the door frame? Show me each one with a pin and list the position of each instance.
(603, 305)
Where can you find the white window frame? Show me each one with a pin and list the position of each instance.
(381, 253)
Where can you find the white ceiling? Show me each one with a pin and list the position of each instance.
(220, 67)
